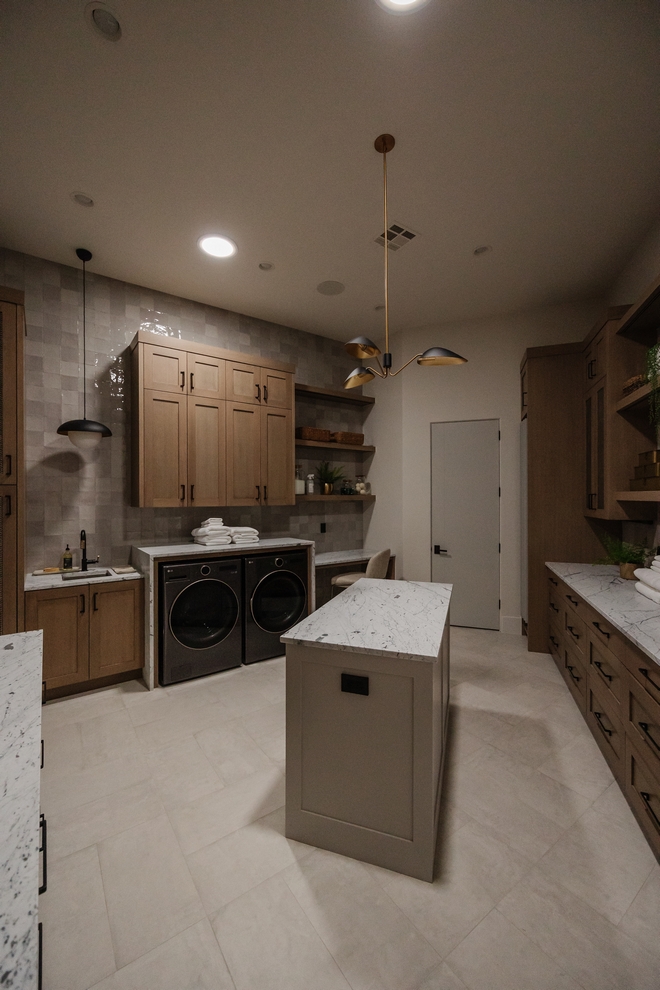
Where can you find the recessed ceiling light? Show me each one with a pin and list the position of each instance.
(81, 199)
(103, 21)
(266, 266)
(219, 247)
(402, 6)
(484, 249)
(330, 288)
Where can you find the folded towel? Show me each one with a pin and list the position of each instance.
(245, 540)
(213, 521)
(213, 541)
(655, 566)
(649, 593)
(212, 531)
(649, 577)
(244, 531)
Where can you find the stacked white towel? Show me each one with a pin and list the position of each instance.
(212, 533)
(244, 534)
(648, 583)
(655, 564)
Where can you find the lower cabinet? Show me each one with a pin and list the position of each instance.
(90, 631)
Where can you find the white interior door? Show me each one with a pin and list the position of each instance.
(465, 518)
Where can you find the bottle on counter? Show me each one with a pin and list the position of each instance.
(300, 481)
(310, 484)
(67, 559)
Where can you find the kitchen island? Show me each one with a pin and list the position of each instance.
(366, 720)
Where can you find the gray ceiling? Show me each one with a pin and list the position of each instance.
(527, 125)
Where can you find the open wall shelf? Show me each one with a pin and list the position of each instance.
(637, 496)
(365, 448)
(331, 393)
(637, 398)
(335, 498)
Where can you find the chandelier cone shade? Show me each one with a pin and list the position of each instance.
(84, 433)
(363, 347)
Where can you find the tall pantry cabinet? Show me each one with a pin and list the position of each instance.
(12, 480)
(210, 427)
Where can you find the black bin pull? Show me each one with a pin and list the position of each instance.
(43, 848)
(355, 684)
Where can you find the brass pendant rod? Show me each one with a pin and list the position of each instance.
(84, 295)
(387, 280)
(403, 366)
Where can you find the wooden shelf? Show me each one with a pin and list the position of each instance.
(635, 398)
(365, 447)
(331, 393)
(336, 498)
(648, 496)
(643, 319)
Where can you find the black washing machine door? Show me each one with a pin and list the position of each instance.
(204, 614)
(278, 602)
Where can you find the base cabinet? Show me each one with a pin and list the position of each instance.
(90, 631)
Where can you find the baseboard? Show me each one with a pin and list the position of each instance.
(511, 624)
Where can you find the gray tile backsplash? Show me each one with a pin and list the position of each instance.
(68, 491)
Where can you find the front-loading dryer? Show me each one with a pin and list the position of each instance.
(276, 597)
(201, 622)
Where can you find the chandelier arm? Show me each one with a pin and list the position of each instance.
(379, 374)
(404, 366)
(383, 375)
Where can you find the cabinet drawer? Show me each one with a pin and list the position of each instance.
(606, 669)
(642, 721)
(574, 603)
(575, 674)
(602, 631)
(575, 632)
(642, 786)
(605, 724)
(647, 673)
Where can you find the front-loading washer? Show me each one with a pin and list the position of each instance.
(276, 598)
(201, 621)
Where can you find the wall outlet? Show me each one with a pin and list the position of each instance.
(323, 527)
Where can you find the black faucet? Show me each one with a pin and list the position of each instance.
(83, 547)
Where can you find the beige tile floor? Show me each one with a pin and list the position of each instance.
(168, 868)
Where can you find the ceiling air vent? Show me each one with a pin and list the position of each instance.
(397, 236)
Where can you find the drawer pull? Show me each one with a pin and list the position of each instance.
(554, 642)
(600, 629)
(644, 672)
(43, 848)
(576, 677)
(573, 601)
(646, 798)
(573, 633)
(553, 607)
(40, 930)
(644, 726)
(598, 664)
(42, 755)
(552, 581)
(598, 716)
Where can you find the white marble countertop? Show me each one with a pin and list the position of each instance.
(187, 549)
(20, 733)
(402, 619)
(335, 557)
(632, 614)
(40, 582)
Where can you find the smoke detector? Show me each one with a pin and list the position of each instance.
(397, 236)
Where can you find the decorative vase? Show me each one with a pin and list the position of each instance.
(627, 571)
(327, 488)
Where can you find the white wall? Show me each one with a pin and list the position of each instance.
(485, 388)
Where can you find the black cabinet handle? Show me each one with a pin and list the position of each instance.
(43, 848)
(192, 380)
(646, 798)
(575, 677)
(592, 502)
(43, 692)
(258, 388)
(8, 471)
(598, 716)
(258, 495)
(82, 604)
(265, 393)
(598, 664)
(95, 602)
(40, 930)
(192, 493)
(42, 755)
(183, 379)
(573, 601)
(644, 672)
(554, 642)
(552, 581)
(553, 607)
(600, 629)
(183, 492)
(265, 493)
(644, 726)
(7, 505)
(572, 632)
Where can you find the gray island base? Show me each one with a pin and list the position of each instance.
(367, 696)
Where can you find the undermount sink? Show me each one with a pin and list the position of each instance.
(89, 575)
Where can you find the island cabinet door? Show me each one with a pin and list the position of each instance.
(63, 614)
(116, 630)
(277, 468)
(243, 454)
(164, 449)
(206, 452)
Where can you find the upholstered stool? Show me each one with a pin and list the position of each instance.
(376, 568)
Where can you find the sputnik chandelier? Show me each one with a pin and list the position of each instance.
(362, 347)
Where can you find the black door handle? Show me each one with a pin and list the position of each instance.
(7, 505)
(258, 388)
(183, 379)
(192, 378)
(265, 393)
(8, 471)
(82, 604)
(183, 492)
(43, 848)
(258, 495)
(95, 602)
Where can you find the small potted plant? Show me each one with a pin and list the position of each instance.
(629, 556)
(328, 477)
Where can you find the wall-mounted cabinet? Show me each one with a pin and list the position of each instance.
(210, 427)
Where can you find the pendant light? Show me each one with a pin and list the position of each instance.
(84, 433)
(362, 347)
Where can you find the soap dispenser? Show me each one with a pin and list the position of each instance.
(67, 559)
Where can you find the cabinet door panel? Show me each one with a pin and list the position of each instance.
(277, 469)
(206, 452)
(9, 420)
(9, 559)
(277, 388)
(63, 616)
(116, 628)
(243, 383)
(206, 376)
(243, 454)
(164, 449)
(164, 369)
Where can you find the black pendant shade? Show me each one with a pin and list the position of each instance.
(362, 347)
(84, 433)
(440, 355)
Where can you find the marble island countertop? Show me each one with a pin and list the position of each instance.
(402, 619)
(632, 614)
